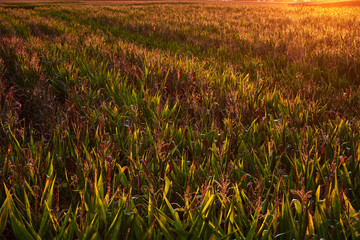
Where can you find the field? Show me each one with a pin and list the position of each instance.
(179, 121)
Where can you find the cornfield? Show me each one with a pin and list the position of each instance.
(198, 122)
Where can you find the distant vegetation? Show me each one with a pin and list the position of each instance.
(179, 121)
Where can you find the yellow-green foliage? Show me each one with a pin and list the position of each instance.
(179, 121)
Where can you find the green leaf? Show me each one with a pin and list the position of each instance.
(311, 229)
(298, 206)
(4, 213)
(164, 229)
(253, 227)
(46, 205)
(21, 230)
(62, 229)
(116, 225)
(27, 207)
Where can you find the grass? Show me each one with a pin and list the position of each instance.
(198, 122)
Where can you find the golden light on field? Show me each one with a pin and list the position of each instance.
(329, 3)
